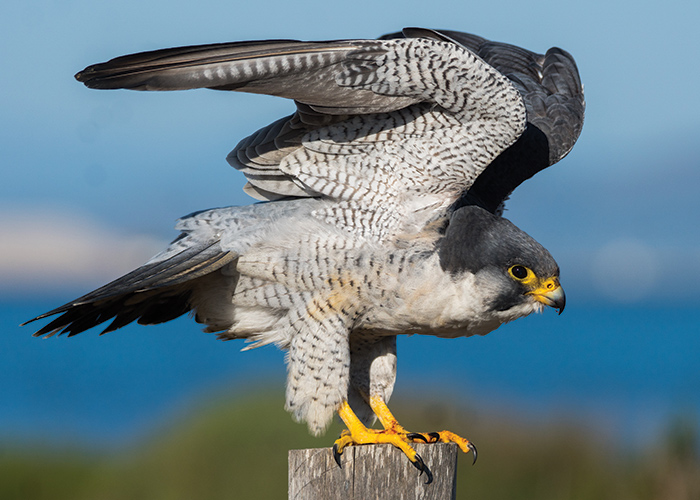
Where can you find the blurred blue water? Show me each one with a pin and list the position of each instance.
(625, 370)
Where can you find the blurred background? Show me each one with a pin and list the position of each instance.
(600, 402)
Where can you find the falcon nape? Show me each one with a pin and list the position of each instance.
(382, 200)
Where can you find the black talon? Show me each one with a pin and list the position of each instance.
(473, 448)
(416, 435)
(420, 465)
(434, 435)
(336, 454)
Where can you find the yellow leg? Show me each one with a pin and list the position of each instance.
(386, 418)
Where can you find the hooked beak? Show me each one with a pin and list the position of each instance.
(550, 293)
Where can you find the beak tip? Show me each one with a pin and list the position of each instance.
(559, 301)
(554, 298)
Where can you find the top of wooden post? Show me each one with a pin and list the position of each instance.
(377, 471)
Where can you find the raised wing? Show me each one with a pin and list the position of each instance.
(395, 130)
(548, 83)
(553, 95)
(392, 172)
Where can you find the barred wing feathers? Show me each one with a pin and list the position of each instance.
(382, 127)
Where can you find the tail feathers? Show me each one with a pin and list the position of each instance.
(154, 293)
(148, 308)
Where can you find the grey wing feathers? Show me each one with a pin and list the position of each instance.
(549, 84)
(154, 293)
(558, 111)
(303, 71)
(553, 95)
(258, 157)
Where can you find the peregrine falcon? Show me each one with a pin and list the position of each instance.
(380, 213)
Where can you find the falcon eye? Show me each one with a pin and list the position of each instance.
(518, 272)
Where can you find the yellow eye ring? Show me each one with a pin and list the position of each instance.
(521, 273)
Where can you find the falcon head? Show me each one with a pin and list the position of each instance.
(512, 271)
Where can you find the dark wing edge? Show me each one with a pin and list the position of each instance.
(153, 293)
(553, 94)
(556, 109)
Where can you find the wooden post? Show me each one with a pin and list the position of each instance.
(372, 472)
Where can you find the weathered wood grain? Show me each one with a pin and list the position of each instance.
(372, 472)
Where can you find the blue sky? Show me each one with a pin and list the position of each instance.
(92, 181)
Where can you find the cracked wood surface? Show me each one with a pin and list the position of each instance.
(372, 472)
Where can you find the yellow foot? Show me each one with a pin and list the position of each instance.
(444, 437)
(358, 434)
(388, 421)
(393, 433)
